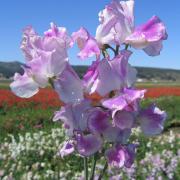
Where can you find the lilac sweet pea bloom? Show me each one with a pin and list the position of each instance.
(116, 135)
(127, 100)
(149, 36)
(109, 75)
(124, 107)
(31, 43)
(69, 86)
(98, 120)
(55, 39)
(152, 120)
(24, 86)
(116, 22)
(46, 59)
(66, 149)
(74, 116)
(88, 144)
(116, 156)
(123, 119)
(87, 44)
(37, 73)
(120, 156)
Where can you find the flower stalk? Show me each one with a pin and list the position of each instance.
(86, 168)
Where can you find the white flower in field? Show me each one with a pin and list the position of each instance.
(29, 175)
(2, 157)
(1, 172)
(42, 164)
(41, 152)
(36, 177)
(136, 131)
(162, 142)
(171, 137)
(149, 144)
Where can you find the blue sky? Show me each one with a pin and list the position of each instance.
(72, 14)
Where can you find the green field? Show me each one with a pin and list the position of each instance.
(30, 141)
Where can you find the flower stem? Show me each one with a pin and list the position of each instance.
(126, 46)
(86, 168)
(117, 50)
(103, 171)
(93, 167)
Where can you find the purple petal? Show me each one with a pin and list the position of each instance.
(90, 49)
(154, 48)
(87, 145)
(126, 100)
(46, 66)
(24, 86)
(87, 44)
(74, 116)
(56, 38)
(69, 86)
(115, 156)
(130, 155)
(106, 76)
(30, 44)
(66, 149)
(149, 36)
(98, 120)
(116, 22)
(152, 120)
(119, 156)
(123, 119)
(114, 134)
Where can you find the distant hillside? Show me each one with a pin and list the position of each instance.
(144, 73)
(7, 69)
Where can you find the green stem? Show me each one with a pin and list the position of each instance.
(126, 46)
(86, 168)
(103, 171)
(51, 82)
(93, 167)
(117, 50)
(105, 53)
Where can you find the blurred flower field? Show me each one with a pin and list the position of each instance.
(30, 141)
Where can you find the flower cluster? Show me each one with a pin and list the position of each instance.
(96, 125)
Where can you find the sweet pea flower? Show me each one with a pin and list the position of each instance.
(116, 22)
(66, 149)
(37, 73)
(30, 44)
(74, 116)
(69, 86)
(149, 36)
(88, 144)
(99, 111)
(152, 120)
(98, 120)
(123, 119)
(24, 86)
(115, 157)
(130, 154)
(124, 106)
(86, 43)
(109, 75)
(119, 156)
(55, 39)
(116, 135)
(46, 59)
(127, 99)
